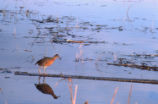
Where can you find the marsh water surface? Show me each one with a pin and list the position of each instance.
(88, 35)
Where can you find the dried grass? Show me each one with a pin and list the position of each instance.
(113, 97)
(73, 98)
(130, 93)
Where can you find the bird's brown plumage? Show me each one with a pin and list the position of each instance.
(47, 61)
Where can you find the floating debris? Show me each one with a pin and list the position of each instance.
(27, 50)
(47, 20)
(51, 19)
(143, 55)
(120, 28)
(5, 71)
(129, 63)
(34, 37)
(1, 69)
(144, 67)
(39, 21)
(77, 41)
(74, 41)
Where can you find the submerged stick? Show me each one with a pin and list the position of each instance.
(148, 81)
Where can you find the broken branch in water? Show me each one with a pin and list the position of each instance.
(148, 81)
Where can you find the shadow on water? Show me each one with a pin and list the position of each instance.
(45, 88)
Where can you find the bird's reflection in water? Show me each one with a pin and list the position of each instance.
(45, 88)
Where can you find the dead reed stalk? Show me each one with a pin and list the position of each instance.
(113, 97)
(130, 93)
(73, 98)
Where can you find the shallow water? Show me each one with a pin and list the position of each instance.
(22, 90)
(110, 30)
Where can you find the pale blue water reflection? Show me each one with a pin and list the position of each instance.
(111, 30)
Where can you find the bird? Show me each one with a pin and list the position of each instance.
(46, 61)
(46, 89)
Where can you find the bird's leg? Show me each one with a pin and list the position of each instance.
(39, 79)
(43, 79)
(44, 68)
(39, 71)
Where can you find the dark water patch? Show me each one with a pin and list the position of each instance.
(68, 23)
(123, 44)
(39, 21)
(89, 60)
(26, 50)
(5, 70)
(6, 77)
(15, 67)
(3, 49)
(103, 5)
(51, 19)
(41, 37)
(86, 24)
(68, 18)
